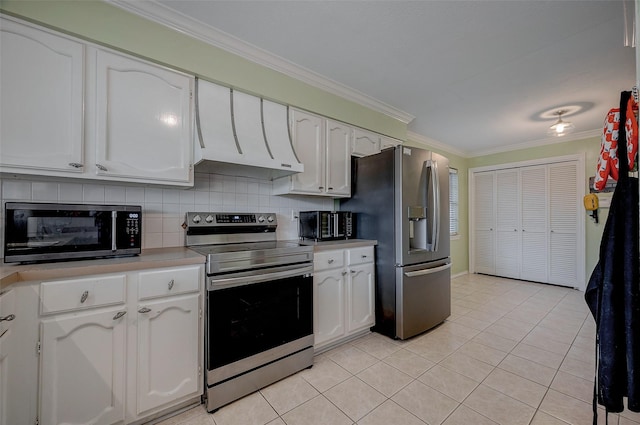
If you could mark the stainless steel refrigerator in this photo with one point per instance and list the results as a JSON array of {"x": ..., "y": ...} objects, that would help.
[{"x": 401, "y": 199}]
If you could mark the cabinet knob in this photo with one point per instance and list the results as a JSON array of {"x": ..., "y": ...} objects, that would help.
[
  {"x": 8, "y": 318},
  {"x": 364, "y": 256},
  {"x": 101, "y": 167},
  {"x": 75, "y": 165},
  {"x": 171, "y": 284},
  {"x": 144, "y": 310},
  {"x": 353, "y": 272},
  {"x": 330, "y": 188},
  {"x": 321, "y": 187},
  {"x": 84, "y": 297},
  {"x": 344, "y": 273},
  {"x": 119, "y": 315},
  {"x": 330, "y": 261}
]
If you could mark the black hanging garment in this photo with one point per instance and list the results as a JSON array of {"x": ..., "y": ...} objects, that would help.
[{"x": 613, "y": 294}]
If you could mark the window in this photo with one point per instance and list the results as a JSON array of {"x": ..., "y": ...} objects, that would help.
[{"x": 453, "y": 201}]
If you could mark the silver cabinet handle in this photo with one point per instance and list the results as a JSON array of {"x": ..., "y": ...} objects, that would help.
[
  {"x": 320, "y": 187},
  {"x": 330, "y": 188},
  {"x": 119, "y": 315},
  {"x": 84, "y": 297},
  {"x": 75, "y": 165},
  {"x": 171, "y": 284},
  {"x": 101, "y": 167},
  {"x": 344, "y": 273},
  {"x": 364, "y": 256},
  {"x": 8, "y": 318},
  {"x": 353, "y": 272},
  {"x": 144, "y": 310},
  {"x": 330, "y": 261}
]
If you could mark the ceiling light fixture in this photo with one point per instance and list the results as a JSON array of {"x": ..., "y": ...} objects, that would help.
[{"x": 560, "y": 128}]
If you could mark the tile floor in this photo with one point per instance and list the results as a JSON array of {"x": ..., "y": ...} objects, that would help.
[{"x": 511, "y": 353}]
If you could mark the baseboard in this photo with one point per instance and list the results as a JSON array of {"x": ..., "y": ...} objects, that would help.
[{"x": 453, "y": 276}]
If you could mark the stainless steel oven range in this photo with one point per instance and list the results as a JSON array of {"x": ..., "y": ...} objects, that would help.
[{"x": 259, "y": 303}]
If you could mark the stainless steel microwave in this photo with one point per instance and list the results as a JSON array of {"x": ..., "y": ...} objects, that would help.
[
  {"x": 39, "y": 232},
  {"x": 326, "y": 225}
]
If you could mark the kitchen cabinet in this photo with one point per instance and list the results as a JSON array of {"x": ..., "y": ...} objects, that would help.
[
  {"x": 7, "y": 317},
  {"x": 169, "y": 340},
  {"x": 100, "y": 115},
  {"x": 344, "y": 282},
  {"x": 368, "y": 143},
  {"x": 120, "y": 348},
  {"x": 82, "y": 358},
  {"x": 41, "y": 81},
  {"x": 142, "y": 121},
  {"x": 323, "y": 146},
  {"x": 365, "y": 143},
  {"x": 526, "y": 223}
]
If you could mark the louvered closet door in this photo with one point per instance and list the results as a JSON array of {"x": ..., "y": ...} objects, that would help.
[
  {"x": 534, "y": 247},
  {"x": 507, "y": 223},
  {"x": 484, "y": 222},
  {"x": 563, "y": 224}
]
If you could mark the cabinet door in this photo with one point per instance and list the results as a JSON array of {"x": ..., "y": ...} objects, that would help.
[
  {"x": 143, "y": 120},
  {"x": 564, "y": 210},
  {"x": 308, "y": 141},
  {"x": 82, "y": 366},
  {"x": 534, "y": 206},
  {"x": 484, "y": 222},
  {"x": 364, "y": 143},
  {"x": 328, "y": 298},
  {"x": 507, "y": 224},
  {"x": 168, "y": 351},
  {"x": 41, "y": 99},
  {"x": 338, "y": 159},
  {"x": 7, "y": 315},
  {"x": 360, "y": 298}
]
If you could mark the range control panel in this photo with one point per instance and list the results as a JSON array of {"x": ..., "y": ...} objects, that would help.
[{"x": 215, "y": 219}]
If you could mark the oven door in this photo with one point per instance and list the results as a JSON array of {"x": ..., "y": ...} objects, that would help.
[{"x": 257, "y": 318}]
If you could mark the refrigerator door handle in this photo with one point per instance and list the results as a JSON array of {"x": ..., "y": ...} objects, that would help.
[
  {"x": 435, "y": 221},
  {"x": 428, "y": 271}
]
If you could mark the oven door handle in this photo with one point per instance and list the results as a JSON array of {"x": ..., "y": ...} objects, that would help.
[{"x": 229, "y": 282}]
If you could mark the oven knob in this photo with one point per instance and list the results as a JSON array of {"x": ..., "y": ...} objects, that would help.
[
  {"x": 209, "y": 219},
  {"x": 261, "y": 219},
  {"x": 197, "y": 219},
  {"x": 270, "y": 219}
]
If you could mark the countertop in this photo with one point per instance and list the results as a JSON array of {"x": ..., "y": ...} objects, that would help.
[
  {"x": 339, "y": 244},
  {"x": 148, "y": 259}
]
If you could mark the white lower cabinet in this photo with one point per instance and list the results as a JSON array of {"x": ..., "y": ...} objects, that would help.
[
  {"x": 120, "y": 348},
  {"x": 168, "y": 351},
  {"x": 343, "y": 296},
  {"x": 7, "y": 317},
  {"x": 83, "y": 368}
]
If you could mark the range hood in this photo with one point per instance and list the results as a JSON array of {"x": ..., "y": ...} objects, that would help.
[{"x": 242, "y": 135}]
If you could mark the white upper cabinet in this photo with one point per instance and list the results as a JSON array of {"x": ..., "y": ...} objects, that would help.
[
  {"x": 41, "y": 100},
  {"x": 364, "y": 143},
  {"x": 143, "y": 120},
  {"x": 323, "y": 146},
  {"x": 70, "y": 109}
]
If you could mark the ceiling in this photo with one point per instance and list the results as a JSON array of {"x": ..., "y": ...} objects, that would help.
[{"x": 478, "y": 76}]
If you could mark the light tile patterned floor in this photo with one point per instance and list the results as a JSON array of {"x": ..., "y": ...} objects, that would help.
[{"x": 511, "y": 353}]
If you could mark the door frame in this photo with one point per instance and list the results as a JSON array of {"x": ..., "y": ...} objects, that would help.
[{"x": 582, "y": 190}]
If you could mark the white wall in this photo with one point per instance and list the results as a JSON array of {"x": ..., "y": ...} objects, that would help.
[{"x": 164, "y": 209}]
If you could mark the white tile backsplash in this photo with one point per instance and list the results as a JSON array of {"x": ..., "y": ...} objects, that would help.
[{"x": 164, "y": 209}]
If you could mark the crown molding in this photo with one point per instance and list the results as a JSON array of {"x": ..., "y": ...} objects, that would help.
[
  {"x": 419, "y": 138},
  {"x": 540, "y": 142},
  {"x": 159, "y": 13}
]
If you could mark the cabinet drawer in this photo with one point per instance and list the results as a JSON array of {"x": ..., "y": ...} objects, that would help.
[
  {"x": 160, "y": 283},
  {"x": 360, "y": 255},
  {"x": 328, "y": 260},
  {"x": 76, "y": 294},
  {"x": 7, "y": 309}
]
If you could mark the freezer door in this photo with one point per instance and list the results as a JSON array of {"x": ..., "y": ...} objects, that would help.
[
  {"x": 423, "y": 297},
  {"x": 422, "y": 206}
]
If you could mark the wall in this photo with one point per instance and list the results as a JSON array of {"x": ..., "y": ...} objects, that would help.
[
  {"x": 163, "y": 210},
  {"x": 591, "y": 149}
]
